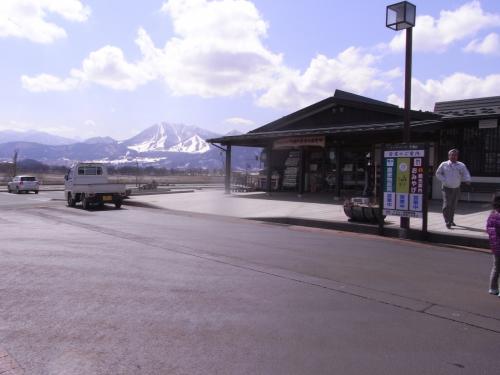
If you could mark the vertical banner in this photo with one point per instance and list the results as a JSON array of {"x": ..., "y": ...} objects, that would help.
[
  {"x": 390, "y": 183},
  {"x": 402, "y": 183},
  {"x": 403, "y": 180}
]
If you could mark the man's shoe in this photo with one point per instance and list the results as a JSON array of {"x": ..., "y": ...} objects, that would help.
[
  {"x": 448, "y": 225},
  {"x": 453, "y": 224},
  {"x": 493, "y": 291}
]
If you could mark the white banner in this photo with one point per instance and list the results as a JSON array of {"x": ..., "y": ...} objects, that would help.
[{"x": 310, "y": 140}]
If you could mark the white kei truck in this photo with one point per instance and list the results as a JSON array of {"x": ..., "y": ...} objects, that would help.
[{"x": 88, "y": 183}]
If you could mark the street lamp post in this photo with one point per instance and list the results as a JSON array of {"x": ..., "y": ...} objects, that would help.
[{"x": 401, "y": 16}]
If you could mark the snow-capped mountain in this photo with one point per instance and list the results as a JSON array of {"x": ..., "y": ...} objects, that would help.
[
  {"x": 166, "y": 137},
  {"x": 163, "y": 145},
  {"x": 193, "y": 145}
]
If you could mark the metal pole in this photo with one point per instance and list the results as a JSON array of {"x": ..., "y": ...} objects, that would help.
[
  {"x": 228, "y": 170},
  {"x": 406, "y": 130},
  {"x": 405, "y": 221},
  {"x": 425, "y": 195}
]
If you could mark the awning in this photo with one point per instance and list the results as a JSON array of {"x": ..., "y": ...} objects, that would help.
[{"x": 265, "y": 138}]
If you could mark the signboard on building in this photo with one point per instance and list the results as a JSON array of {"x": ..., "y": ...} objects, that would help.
[
  {"x": 488, "y": 123},
  {"x": 404, "y": 180},
  {"x": 308, "y": 140}
]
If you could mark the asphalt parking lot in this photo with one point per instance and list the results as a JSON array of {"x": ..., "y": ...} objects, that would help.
[{"x": 152, "y": 291}]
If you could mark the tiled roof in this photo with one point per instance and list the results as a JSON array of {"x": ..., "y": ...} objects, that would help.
[
  {"x": 344, "y": 95},
  {"x": 480, "y": 107},
  {"x": 343, "y": 98}
]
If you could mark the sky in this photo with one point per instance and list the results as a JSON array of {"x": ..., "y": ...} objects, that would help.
[{"x": 86, "y": 68}]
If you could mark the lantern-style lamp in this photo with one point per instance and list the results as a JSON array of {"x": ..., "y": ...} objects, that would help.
[{"x": 400, "y": 16}]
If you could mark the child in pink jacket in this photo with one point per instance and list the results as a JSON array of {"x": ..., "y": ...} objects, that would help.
[{"x": 493, "y": 229}]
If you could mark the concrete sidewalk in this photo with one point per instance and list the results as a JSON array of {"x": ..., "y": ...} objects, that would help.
[{"x": 319, "y": 210}]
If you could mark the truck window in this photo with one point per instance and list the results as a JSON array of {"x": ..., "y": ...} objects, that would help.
[
  {"x": 89, "y": 171},
  {"x": 28, "y": 179}
]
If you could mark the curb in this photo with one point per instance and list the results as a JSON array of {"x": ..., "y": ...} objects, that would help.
[{"x": 480, "y": 244}]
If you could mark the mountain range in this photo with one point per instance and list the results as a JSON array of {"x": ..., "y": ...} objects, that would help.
[{"x": 176, "y": 146}]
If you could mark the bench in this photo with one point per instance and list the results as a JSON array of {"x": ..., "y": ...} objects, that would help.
[{"x": 480, "y": 188}]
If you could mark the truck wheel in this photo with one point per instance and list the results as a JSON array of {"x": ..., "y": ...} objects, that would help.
[
  {"x": 9, "y": 190},
  {"x": 85, "y": 202},
  {"x": 17, "y": 190},
  {"x": 118, "y": 204},
  {"x": 36, "y": 191},
  {"x": 71, "y": 202}
]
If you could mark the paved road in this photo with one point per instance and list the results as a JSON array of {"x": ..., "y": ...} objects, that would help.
[{"x": 149, "y": 291}]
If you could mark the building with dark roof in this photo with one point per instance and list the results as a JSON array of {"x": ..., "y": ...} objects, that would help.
[{"x": 334, "y": 145}]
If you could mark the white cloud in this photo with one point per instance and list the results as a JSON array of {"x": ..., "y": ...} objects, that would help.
[
  {"x": 454, "y": 87},
  {"x": 351, "y": 70},
  {"x": 218, "y": 50},
  {"x": 490, "y": 45},
  {"x": 106, "y": 67},
  {"x": 47, "y": 82},
  {"x": 435, "y": 35},
  {"x": 89, "y": 123},
  {"x": 24, "y": 127},
  {"x": 17, "y": 126},
  {"x": 62, "y": 130},
  {"x": 28, "y": 18},
  {"x": 238, "y": 121}
]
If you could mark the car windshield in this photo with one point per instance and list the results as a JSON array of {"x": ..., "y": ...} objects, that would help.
[{"x": 28, "y": 179}]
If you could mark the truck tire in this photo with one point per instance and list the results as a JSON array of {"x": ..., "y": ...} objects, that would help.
[
  {"x": 17, "y": 190},
  {"x": 70, "y": 202},
  {"x": 118, "y": 204},
  {"x": 8, "y": 188},
  {"x": 85, "y": 202}
]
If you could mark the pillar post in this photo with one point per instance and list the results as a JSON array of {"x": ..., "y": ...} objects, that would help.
[
  {"x": 269, "y": 152},
  {"x": 228, "y": 170}
]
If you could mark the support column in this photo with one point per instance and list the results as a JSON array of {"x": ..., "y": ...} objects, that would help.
[
  {"x": 302, "y": 171},
  {"x": 227, "y": 180},
  {"x": 269, "y": 181},
  {"x": 338, "y": 172}
]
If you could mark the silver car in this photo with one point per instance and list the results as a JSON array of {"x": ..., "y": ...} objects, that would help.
[{"x": 23, "y": 184}]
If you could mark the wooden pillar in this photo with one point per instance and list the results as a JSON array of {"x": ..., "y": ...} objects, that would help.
[
  {"x": 269, "y": 181},
  {"x": 301, "y": 171},
  {"x": 338, "y": 172},
  {"x": 228, "y": 170}
]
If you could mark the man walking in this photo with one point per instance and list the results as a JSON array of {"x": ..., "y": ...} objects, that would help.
[{"x": 451, "y": 173}]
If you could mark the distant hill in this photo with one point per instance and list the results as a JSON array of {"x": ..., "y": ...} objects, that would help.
[
  {"x": 34, "y": 136},
  {"x": 100, "y": 140},
  {"x": 166, "y": 145}
]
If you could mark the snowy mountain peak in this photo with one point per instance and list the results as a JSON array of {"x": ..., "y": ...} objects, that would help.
[
  {"x": 193, "y": 145},
  {"x": 166, "y": 137},
  {"x": 155, "y": 139}
]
